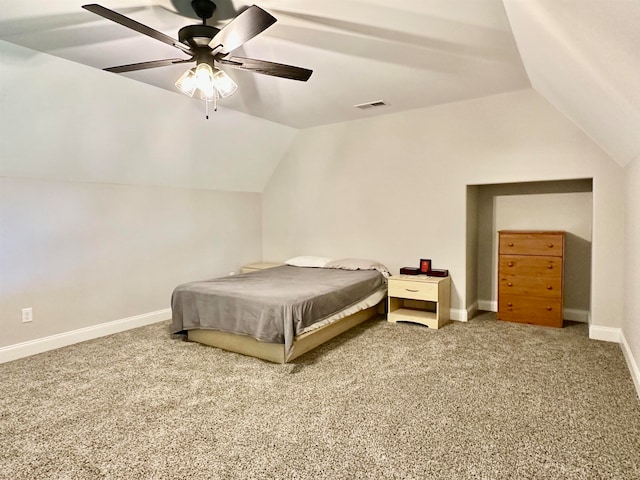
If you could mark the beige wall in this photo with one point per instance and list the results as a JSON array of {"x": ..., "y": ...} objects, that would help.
[
  {"x": 395, "y": 187},
  {"x": 82, "y": 254},
  {"x": 473, "y": 240},
  {"x": 631, "y": 324}
]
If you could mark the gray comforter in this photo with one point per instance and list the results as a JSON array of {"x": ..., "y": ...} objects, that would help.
[{"x": 271, "y": 305}]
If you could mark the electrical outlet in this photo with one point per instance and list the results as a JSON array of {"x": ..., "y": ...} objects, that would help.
[{"x": 27, "y": 315}]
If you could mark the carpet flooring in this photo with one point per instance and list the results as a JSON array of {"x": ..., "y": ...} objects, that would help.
[{"x": 483, "y": 399}]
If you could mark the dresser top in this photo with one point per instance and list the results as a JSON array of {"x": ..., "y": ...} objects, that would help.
[{"x": 546, "y": 232}]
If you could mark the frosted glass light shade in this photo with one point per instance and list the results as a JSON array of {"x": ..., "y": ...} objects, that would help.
[
  {"x": 223, "y": 83},
  {"x": 187, "y": 82},
  {"x": 204, "y": 76}
]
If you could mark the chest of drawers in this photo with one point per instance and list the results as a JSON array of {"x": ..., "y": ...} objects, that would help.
[{"x": 530, "y": 276}]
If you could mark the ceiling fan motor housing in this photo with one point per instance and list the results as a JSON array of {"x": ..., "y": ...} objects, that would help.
[
  {"x": 197, "y": 35},
  {"x": 203, "y": 8}
]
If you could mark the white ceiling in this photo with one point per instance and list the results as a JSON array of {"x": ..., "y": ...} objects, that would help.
[
  {"x": 409, "y": 53},
  {"x": 581, "y": 55}
]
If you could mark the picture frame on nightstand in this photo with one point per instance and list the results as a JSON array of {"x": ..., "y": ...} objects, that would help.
[{"x": 425, "y": 266}]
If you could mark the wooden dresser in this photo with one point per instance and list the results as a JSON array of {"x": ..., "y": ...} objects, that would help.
[{"x": 530, "y": 276}]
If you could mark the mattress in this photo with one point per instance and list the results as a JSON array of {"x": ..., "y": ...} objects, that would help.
[{"x": 272, "y": 305}]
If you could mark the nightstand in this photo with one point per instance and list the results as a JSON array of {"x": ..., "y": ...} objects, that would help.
[
  {"x": 419, "y": 299},
  {"x": 253, "y": 267}
]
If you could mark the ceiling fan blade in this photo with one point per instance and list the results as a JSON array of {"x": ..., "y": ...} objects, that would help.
[
  {"x": 244, "y": 27},
  {"x": 144, "y": 65},
  {"x": 137, "y": 26},
  {"x": 268, "y": 68}
]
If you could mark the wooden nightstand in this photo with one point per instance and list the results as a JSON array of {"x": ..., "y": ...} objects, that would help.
[
  {"x": 253, "y": 267},
  {"x": 419, "y": 299}
]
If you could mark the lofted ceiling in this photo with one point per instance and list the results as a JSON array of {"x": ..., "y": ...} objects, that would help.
[
  {"x": 408, "y": 53},
  {"x": 581, "y": 55}
]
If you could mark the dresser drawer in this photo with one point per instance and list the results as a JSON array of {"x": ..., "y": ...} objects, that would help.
[
  {"x": 550, "y": 244},
  {"x": 413, "y": 290},
  {"x": 537, "y": 286},
  {"x": 529, "y": 309},
  {"x": 528, "y": 265}
]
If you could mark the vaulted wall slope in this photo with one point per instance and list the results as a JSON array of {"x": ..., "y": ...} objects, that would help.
[
  {"x": 66, "y": 121},
  {"x": 582, "y": 56}
]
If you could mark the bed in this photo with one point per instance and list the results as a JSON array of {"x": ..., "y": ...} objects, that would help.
[{"x": 277, "y": 314}]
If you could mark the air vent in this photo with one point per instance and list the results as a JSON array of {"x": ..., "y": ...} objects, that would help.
[{"x": 376, "y": 104}]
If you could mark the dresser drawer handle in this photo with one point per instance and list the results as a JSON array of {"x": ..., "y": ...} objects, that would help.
[
  {"x": 509, "y": 284},
  {"x": 549, "y": 266},
  {"x": 549, "y": 287},
  {"x": 411, "y": 290},
  {"x": 549, "y": 308},
  {"x": 510, "y": 264},
  {"x": 511, "y": 244},
  {"x": 550, "y": 245},
  {"x": 510, "y": 304}
]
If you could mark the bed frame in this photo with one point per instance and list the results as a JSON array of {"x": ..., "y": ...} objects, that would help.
[{"x": 275, "y": 352}]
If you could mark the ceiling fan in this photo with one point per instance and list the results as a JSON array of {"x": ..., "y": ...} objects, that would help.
[{"x": 205, "y": 45}]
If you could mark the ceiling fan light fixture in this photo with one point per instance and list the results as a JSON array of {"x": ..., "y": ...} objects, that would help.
[
  {"x": 223, "y": 83},
  {"x": 187, "y": 82},
  {"x": 212, "y": 82},
  {"x": 204, "y": 76}
]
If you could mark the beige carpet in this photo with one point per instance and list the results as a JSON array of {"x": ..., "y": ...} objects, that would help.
[{"x": 484, "y": 399}]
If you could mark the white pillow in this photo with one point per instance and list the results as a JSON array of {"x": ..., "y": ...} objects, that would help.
[
  {"x": 358, "y": 264},
  {"x": 308, "y": 261}
]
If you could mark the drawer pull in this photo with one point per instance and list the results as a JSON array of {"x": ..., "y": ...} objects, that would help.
[
  {"x": 549, "y": 287},
  {"x": 510, "y": 264},
  {"x": 549, "y": 266},
  {"x": 511, "y": 244},
  {"x": 510, "y": 304},
  {"x": 510, "y": 284},
  {"x": 550, "y": 245},
  {"x": 549, "y": 308},
  {"x": 411, "y": 290}
]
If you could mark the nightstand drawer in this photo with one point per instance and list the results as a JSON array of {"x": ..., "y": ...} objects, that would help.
[{"x": 413, "y": 290}]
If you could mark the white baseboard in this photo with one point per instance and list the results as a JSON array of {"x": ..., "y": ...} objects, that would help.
[
  {"x": 606, "y": 334},
  {"x": 633, "y": 365},
  {"x": 458, "y": 314},
  {"x": 40, "y": 345},
  {"x": 568, "y": 313},
  {"x": 576, "y": 315},
  {"x": 488, "y": 305}
]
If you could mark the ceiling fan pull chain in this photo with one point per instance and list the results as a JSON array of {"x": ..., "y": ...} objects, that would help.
[{"x": 206, "y": 109}]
